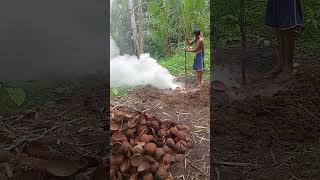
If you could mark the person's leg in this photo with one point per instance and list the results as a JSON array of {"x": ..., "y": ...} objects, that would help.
[
  {"x": 289, "y": 44},
  {"x": 291, "y": 47},
  {"x": 280, "y": 58},
  {"x": 201, "y": 77},
  {"x": 196, "y": 76}
]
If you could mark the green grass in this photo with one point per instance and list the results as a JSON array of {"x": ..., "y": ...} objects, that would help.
[{"x": 116, "y": 92}]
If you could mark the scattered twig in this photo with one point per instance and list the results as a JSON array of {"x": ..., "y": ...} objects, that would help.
[
  {"x": 62, "y": 113},
  {"x": 231, "y": 163},
  {"x": 8, "y": 170},
  {"x": 197, "y": 168},
  {"x": 294, "y": 177},
  {"x": 308, "y": 112},
  {"x": 88, "y": 144}
]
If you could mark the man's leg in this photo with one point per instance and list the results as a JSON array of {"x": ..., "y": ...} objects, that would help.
[{"x": 201, "y": 77}]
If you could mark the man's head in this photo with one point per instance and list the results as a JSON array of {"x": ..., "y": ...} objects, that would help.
[{"x": 196, "y": 33}]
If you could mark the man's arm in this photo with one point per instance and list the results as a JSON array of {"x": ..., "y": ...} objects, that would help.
[
  {"x": 197, "y": 48},
  {"x": 188, "y": 41}
]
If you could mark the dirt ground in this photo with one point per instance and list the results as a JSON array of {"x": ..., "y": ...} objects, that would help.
[
  {"x": 190, "y": 108},
  {"x": 267, "y": 129},
  {"x": 72, "y": 129}
]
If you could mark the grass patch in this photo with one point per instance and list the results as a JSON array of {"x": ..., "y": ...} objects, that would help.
[{"x": 116, "y": 92}]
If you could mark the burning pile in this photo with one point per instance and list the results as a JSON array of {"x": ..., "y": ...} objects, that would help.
[{"x": 143, "y": 146}]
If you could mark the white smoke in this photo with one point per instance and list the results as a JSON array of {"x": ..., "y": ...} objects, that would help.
[{"x": 129, "y": 71}]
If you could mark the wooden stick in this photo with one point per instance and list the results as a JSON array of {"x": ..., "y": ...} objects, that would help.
[
  {"x": 185, "y": 68},
  {"x": 243, "y": 41}
]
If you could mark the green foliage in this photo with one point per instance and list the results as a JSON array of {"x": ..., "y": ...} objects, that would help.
[
  {"x": 116, "y": 92},
  {"x": 168, "y": 21},
  {"x": 226, "y": 25},
  {"x": 165, "y": 24},
  {"x": 10, "y": 98}
]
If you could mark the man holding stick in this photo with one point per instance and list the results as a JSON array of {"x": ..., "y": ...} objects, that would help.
[{"x": 198, "y": 64}]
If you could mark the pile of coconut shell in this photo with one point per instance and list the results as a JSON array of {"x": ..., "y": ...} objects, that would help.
[{"x": 143, "y": 147}]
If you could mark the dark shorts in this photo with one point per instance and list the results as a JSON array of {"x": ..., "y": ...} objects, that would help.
[
  {"x": 284, "y": 14},
  {"x": 198, "y": 64}
]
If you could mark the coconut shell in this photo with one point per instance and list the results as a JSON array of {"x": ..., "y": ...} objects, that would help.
[
  {"x": 167, "y": 159},
  {"x": 159, "y": 153},
  {"x": 133, "y": 177},
  {"x": 132, "y": 142},
  {"x": 179, "y": 126},
  {"x": 170, "y": 142},
  {"x": 146, "y": 138},
  {"x": 168, "y": 134},
  {"x": 141, "y": 144},
  {"x": 167, "y": 149},
  {"x": 126, "y": 146},
  {"x": 178, "y": 158},
  {"x": 148, "y": 115},
  {"x": 166, "y": 125},
  {"x": 163, "y": 171},
  {"x": 180, "y": 148},
  {"x": 116, "y": 159},
  {"x": 150, "y": 148},
  {"x": 125, "y": 165},
  {"x": 137, "y": 149},
  {"x": 114, "y": 126},
  {"x": 130, "y": 132},
  {"x": 189, "y": 145},
  {"x": 112, "y": 173},
  {"x": 147, "y": 176},
  {"x": 132, "y": 122},
  {"x": 121, "y": 111},
  {"x": 173, "y": 130},
  {"x": 149, "y": 158},
  {"x": 133, "y": 170},
  {"x": 117, "y": 148},
  {"x": 142, "y": 129},
  {"x": 182, "y": 135},
  {"x": 154, "y": 167},
  {"x": 162, "y": 133},
  {"x": 118, "y": 136},
  {"x": 136, "y": 160},
  {"x": 144, "y": 166},
  {"x": 160, "y": 141},
  {"x": 142, "y": 119},
  {"x": 155, "y": 125}
]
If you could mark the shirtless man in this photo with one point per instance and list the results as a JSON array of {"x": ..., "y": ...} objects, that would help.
[
  {"x": 198, "y": 64},
  {"x": 284, "y": 16}
]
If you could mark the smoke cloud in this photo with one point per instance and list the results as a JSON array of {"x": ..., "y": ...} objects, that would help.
[
  {"x": 129, "y": 71},
  {"x": 52, "y": 38}
]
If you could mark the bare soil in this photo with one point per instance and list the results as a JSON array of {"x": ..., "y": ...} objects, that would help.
[
  {"x": 73, "y": 129},
  {"x": 267, "y": 129},
  {"x": 189, "y": 107}
]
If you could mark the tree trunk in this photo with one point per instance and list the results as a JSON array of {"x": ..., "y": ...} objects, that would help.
[
  {"x": 140, "y": 27},
  {"x": 134, "y": 27},
  {"x": 243, "y": 40}
]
